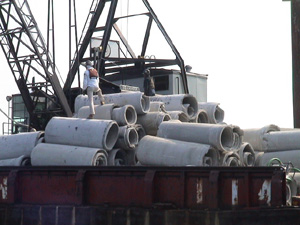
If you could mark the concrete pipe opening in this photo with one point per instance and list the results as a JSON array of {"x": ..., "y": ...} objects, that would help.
[
  {"x": 100, "y": 159},
  {"x": 211, "y": 158},
  {"x": 111, "y": 136},
  {"x": 202, "y": 117},
  {"x": 130, "y": 115},
  {"x": 133, "y": 137},
  {"x": 145, "y": 103},
  {"x": 140, "y": 130},
  {"x": 219, "y": 115},
  {"x": 249, "y": 159},
  {"x": 191, "y": 105},
  {"x": 227, "y": 138},
  {"x": 232, "y": 161}
]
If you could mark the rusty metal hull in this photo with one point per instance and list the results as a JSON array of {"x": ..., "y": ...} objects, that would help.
[
  {"x": 144, "y": 195},
  {"x": 94, "y": 215}
]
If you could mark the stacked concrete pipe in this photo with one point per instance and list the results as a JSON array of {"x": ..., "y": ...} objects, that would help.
[
  {"x": 101, "y": 134},
  {"x": 219, "y": 136},
  {"x": 117, "y": 157},
  {"x": 230, "y": 158},
  {"x": 14, "y": 146},
  {"x": 201, "y": 117},
  {"x": 214, "y": 112},
  {"x": 286, "y": 156},
  {"x": 181, "y": 102},
  {"x": 246, "y": 154},
  {"x": 256, "y": 136},
  {"x": 20, "y": 161},
  {"x": 138, "y": 100},
  {"x": 152, "y": 120},
  {"x": 128, "y": 138},
  {"x": 66, "y": 155},
  {"x": 125, "y": 115},
  {"x": 159, "y": 151}
]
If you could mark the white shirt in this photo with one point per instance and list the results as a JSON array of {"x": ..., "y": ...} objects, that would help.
[{"x": 87, "y": 82}]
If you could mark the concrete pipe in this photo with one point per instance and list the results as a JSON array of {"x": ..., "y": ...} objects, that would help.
[
  {"x": 117, "y": 157},
  {"x": 157, "y": 107},
  {"x": 179, "y": 115},
  {"x": 16, "y": 145},
  {"x": 158, "y": 151},
  {"x": 152, "y": 120},
  {"x": 219, "y": 136},
  {"x": 125, "y": 115},
  {"x": 66, "y": 155},
  {"x": 93, "y": 133},
  {"x": 128, "y": 138},
  {"x": 237, "y": 137},
  {"x": 20, "y": 161},
  {"x": 102, "y": 112},
  {"x": 138, "y": 100},
  {"x": 140, "y": 130},
  {"x": 214, "y": 112},
  {"x": 131, "y": 157},
  {"x": 201, "y": 117},
  {"x": 230, "y": 158},
  {"x": 286, "y": 156},
  {"x": 282, "y": 140},
  {"x": 258, "y": 157},
  {"x": 256, "y": 136},
  {"x": 182, "y": 102},
  {"x": 246, "y": 154}
]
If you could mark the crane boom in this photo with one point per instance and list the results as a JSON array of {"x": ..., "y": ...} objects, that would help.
[{"x": 30, "y": 62}]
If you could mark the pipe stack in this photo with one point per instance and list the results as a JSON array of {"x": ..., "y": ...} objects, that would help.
[{"x": 15, "y": 150}]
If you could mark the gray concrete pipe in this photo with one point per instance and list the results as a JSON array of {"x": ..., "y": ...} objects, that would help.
[
  {"x": 256, "y": 136},
  {"x": 131, "y": 157},
  {"x": 219, "y": 136},
  {"x": 179, "y": 115},
  {"x": 237, "y": 137},
  {"x": 140, "y": 130},
  {"x": 230, "y": 158},
  {"x": 247, "y": 155},
  {"x": 138, "y": 100},
  {"x": 158, "y": 151},
  {"x": 20, "y": 161},
  {"x": 125, "y": 115},
  {"x": 182, "y": 102},
  {"x": 66, "y": 155},
  {"x": 214, "y": 112},
  {"x": 157, "y": 107},
  {"x": 128, "y": 138},
  {"x": 102, "y": 112},
  {"x": 285, "y": 157},
  {"x": 282, "y": 140},
  {"x": 16, "y": 145},
  {"x": 201, "y": 117},
  {"x": 93, "y": 133},
  {"x": 117, "y": 157},
  {"x": 152, "y": 120}
]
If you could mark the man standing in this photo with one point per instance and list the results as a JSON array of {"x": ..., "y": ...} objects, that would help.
[
  {"x": 149, "y": 88},
  {"x": 91, "y": 85}
]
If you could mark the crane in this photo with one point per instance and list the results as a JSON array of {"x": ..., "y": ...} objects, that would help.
[
  {"x": 29, "y": 59},
  {"x": 28, "y": 56}
]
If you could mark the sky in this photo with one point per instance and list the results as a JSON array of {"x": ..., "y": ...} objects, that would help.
[{"x": 244, "y": 46}]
